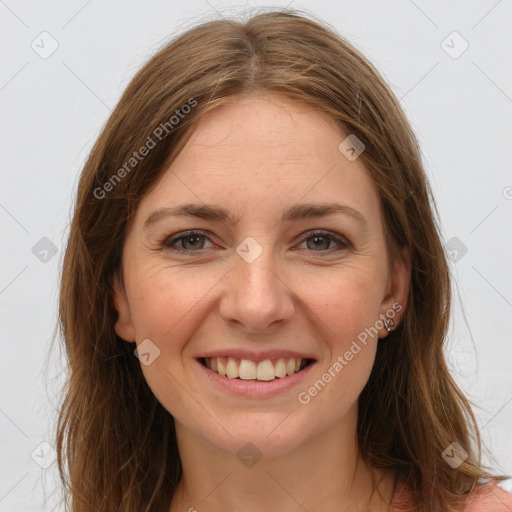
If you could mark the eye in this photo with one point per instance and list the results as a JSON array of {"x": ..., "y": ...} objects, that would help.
[
  {"x": 321, "y": 242},
  {"x": 194, "y": 241},
  {"x": 190, "y": 241}
]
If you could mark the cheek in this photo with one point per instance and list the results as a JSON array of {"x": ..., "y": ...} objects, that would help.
[
  {"x": 168, "y": 308},
  {"x": 166, "y": 305},
  {"x": 347, "y": 302},
  {"x": 347, "y": 309}
]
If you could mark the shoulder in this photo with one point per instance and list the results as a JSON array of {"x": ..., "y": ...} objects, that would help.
[{"x": 490, "y": 497}]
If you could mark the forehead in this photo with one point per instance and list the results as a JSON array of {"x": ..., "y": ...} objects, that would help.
[
  {"x": 261, "y": 151},
  {"x": 262, "y": 131}
]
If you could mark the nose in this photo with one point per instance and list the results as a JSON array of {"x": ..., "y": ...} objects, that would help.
[{"x": 256, "y": 298}]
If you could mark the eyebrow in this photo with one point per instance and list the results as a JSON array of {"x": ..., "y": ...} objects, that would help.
[{"x": 217, "y": 213}]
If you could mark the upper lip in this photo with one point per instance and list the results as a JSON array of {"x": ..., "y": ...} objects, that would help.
[{"x": 256, "y": 356}]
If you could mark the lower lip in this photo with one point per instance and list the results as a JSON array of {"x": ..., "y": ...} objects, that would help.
[{"x": 256, "y": 388}]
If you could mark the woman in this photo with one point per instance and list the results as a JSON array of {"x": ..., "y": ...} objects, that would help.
[{"x": 255, "y": 297}]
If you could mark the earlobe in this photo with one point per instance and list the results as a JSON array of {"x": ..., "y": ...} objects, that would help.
[{"x": 123, "y": 326}]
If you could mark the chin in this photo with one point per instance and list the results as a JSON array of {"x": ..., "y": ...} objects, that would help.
[{"x": 266, "y": 436}]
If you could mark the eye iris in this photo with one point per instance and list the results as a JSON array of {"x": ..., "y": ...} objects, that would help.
[
  {"x": 319, "y": 245},
  {"x": 194, "y": 244}
]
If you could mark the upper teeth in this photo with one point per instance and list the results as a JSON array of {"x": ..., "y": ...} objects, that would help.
[{"x": 246, "y": 369}]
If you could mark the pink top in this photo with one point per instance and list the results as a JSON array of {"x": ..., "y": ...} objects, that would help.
[{"x": 487, "y": 497}]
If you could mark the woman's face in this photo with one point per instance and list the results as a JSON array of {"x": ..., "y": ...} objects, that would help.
[{"x": 270, "y": 281}]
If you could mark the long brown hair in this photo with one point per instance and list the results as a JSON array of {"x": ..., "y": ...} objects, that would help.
[{"x": 116, "y": 443}]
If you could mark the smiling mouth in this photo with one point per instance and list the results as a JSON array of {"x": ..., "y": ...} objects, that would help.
[{"x": 245, "y": 369}]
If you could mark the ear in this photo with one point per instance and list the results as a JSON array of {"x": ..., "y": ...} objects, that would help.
[
  {"x": 397, "y": 289},
  {"x": 124, "y": 326}
]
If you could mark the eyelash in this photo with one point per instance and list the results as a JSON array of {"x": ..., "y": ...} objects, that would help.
[{"x": 168, "y": 242}]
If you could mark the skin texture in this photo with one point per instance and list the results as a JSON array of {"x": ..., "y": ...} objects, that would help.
[{"x": 257, "y": 156}]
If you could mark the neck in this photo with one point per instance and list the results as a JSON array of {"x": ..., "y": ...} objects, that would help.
[{"x": 326, "y": 473}]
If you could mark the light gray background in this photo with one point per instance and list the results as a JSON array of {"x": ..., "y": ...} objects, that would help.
[{"x": 52, "y": 110}]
